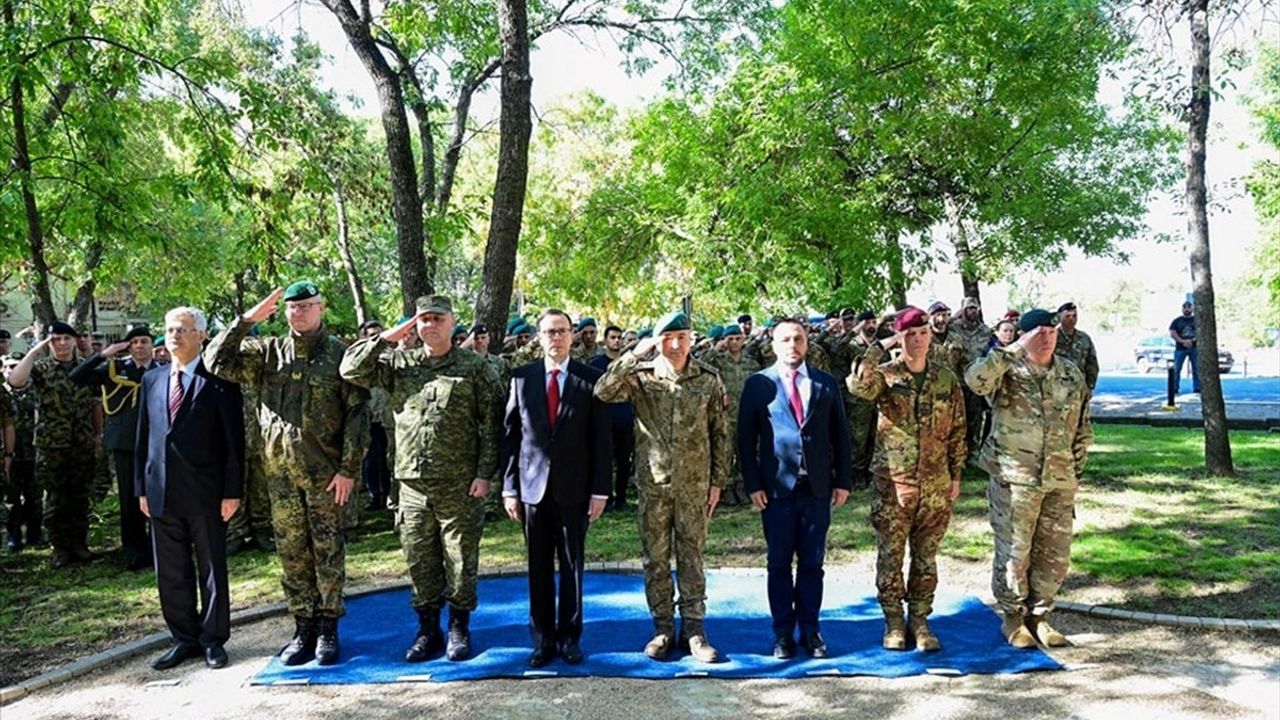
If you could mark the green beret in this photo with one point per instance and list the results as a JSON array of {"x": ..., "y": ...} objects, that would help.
[
  {"x": 1035, "y": 318},
  {"x": 301, "y": 290},
  {"x": 586, "y": 322},
  {"x": 523, "y": 328},
  {"x": 157, "y": 341},
  {"x": 434, "y": 304},
  {"x": 671, "y": 322},
  {"x": 515, "y": 322},
  {"x": 730, "y": 330},
  {"x": 716, "y": 332},
  {"x": 647, "y": 332}
]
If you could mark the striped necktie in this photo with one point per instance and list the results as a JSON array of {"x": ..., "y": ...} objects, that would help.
[{"x": 175, "y": 396}]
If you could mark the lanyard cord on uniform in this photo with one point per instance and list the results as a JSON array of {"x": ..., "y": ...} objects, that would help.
[{"x": 129, "y": 387}]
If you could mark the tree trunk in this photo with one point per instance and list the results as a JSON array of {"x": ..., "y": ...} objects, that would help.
[
  {"x": 964, "y": 254},
  {"x": 82, "y": 306},
  {"x": 344, "y": 251},
  {"x": 406, "y": 207},
  {"x": 1217, "y": 443},
  {"x": 515, "y": 127},
  {"x": 897, "y": 272},
  {"x": 42, "y": 305}
]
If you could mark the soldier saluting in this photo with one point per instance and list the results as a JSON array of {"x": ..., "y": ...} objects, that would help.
[{"x": 314, "y": 437}]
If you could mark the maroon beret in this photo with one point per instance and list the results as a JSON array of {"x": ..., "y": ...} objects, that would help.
[{"x": 911, "y": 317}]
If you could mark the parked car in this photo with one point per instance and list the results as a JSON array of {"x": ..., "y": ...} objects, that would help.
[{"x": 1155, "y": 353}]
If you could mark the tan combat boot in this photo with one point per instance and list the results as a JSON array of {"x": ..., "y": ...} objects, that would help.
[
  {"x": 701, "y": 650},
  {"x": 925, "y": 639},
  {"x": 1039, "y": 626},
  {"x": 895, "y": 633},
  {"x": 659, "y": 647},
  {"x": 1015, "y": 631}
]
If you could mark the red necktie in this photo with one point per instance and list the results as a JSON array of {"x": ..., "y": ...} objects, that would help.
[
  {"x": 553, "y": 398},
  {"x": 175, "y": 396},
  {"x": 797, "y": 407}
]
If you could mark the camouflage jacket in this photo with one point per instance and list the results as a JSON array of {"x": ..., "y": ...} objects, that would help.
[
  {"x": 839, "y": 352},
  {"x": 682, "y": 426},
  {"x": 312, "y": 422},
  {"x": 24, "y": 423},
  {"x": 949, "y": 351},
  {"x": 815, "y": 357},
  {"x": 733, "y": 373},
  {"x": 63, "y": 409},
  {"x": 447, "y": 410},
  {"x": 973, "y": 339},
  {"x": 920, "y": 436},
  {"x": 1040, "y": 427},
  {"x": 582, "y": 355},
  {"x": 1079, "y": 349}
]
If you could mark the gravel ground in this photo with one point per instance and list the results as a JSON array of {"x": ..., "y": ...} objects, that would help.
[{"x": 1116, "y": 669}]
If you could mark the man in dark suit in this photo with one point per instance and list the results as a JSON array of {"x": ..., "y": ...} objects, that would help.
[
  {"x": 189, "y": 476},
  {"x": 793, "y": 447},
  {"x": 556, "y": 461},
  {"x": 120, "y": 382}
]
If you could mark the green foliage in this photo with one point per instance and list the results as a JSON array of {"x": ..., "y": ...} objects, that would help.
[{"x": 1264, "y": 185}]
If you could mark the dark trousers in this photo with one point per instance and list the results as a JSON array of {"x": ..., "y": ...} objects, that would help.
[
  {"x": 173, "y": 539},
  {"x": 624, "y": 454},
  {"x": 133, "y": 524},
  {"x": 25, "y": 500},
  {"x": 552, "y": 531},
  {"x": 377, "y": 476},
  {"x": 795, "y": 527}
]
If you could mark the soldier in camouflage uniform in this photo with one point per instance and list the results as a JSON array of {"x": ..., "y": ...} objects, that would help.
[
  {"x": 945, "y": 348},
  {"x": 1076, "y": 345},
  {"x": 861, "y": 413},
  {"x": 64, "y": 430},
  {"x": 587, "y": 347},
  {"x": 8, "y": 439},
  {"x": 251, "y": 523},
  {"x": 973, "y": 337},
  {"x": 23, "y": 502},
  {"x": 734, "y": 367},
  {"x": 1035, "y": 455},
  {"x": 919, "y": 457},
  {"x": 314, "y": 435},
  {"x": 682, "y": 450},
  {"x": 447, "y": 404}
]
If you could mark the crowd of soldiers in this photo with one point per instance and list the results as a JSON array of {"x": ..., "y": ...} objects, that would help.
[{"x": 415, "y": 411}]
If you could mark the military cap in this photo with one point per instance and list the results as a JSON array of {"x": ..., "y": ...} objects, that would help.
[
  {"x": 157, "y": 341},
  {"x": 1012, "y": 315},
  {"x": 4, "y": 334},
  {"x": 910, "y": 317},
  {"x": 137, "y": 331},
  {"x": 1037, "y": 317},
  {"x": 647, "y": 332},
  {"x": 459, "y": 329},
  {"x": 939, "y": 307},
  {"x": 1068, "y": 305},
  {"x": 301, "y": 290},
  {"x": 523, "y": 328},
  {"x": 671, "y": 322},
  {"x": 732, "y": 330},
  {"x": 970, "y": 302},
  {"x": 866, "y": 315},
  {"x": 848, "y": 314},
  {"x": 479, "y": 329},
  {"x": 833, "y": 315},
  {"x": 586, "y": 322},
  {"x": 744, "y": 319},
  {"x": 57, "y": 327},
  {"x": 716, "y": 332},
  {"x": 434, "y": 304},
  {"x": 515, "y": 322}
]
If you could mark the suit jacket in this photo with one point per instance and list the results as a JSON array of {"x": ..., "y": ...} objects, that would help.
[
  {"x": 771, "y": 443},
  {"x": 121, "y": 425},
  {"x": 574, "y": 460},
  {"x": 187, "y": 469}
]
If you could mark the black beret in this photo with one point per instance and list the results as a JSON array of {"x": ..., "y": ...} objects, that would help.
[
  {"x": 4, "y": 334},
  {"x": 744, "y": 319},
  {"x": 479, "y": 329},
  {"x": 866, "y": 315},
  {"x": 137, "y": 331},
  {"x": 1066, "y": 306},
  {"x": 57, "y": 327}
]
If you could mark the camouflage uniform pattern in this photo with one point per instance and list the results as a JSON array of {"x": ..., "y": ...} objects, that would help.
[
  {"x": 447, "y": 417},
  {"x": 970, "y": 342},
  {"x": 734, "y": 374},
  {"x": 581, "y": 353},
  {"x": 1035, "y": 455},
  {"x": 861, "y": 413},
  {"x": 1078, "y": 347},
  {"x": 947, "y": 351},
  {"x": 24, "y": 500},
  {"x": 920, "y": 440},
  {"x": 815, "y": 357},
  {"x": 682, "y": 448},
  {"x": 313, "y": 427},
  {"x": 254, "y": 514},
  {"x": 64, "y": 438}
]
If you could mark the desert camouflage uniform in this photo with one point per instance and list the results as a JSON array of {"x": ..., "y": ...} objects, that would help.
[
  {"x": 682, "y": 448},
  {"x": 313, "y": 427},
  {"x": 1035, "y": 455},
  {"x": 1078, "y": 347},
  {"x": 920, "y": 441},
  {"x": 447, "y": 419}
]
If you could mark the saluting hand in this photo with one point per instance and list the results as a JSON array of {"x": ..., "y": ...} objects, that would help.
[
  {"x": 1024, "y": 340},
  {"x": 113, "y": 348},
  {"x": 264, "y": 309},
  {"x": 645, "y": 346},
  {"x": 401, "y": 331}
]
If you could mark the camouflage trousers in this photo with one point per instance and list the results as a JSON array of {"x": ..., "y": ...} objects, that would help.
[
  {"x": 920, "y": 525},
  {"x": 24, "y": 500},
  {"x": 674, "y": 516},
  {"x": 66, "y": 476},
  {"x": 440, "y": 529},
  {"x": 1032, "y": 528},
  {"x": 862, "y": 435},
  {"x": 254, "y": 513},
  {"x": 309, "y": 542}
]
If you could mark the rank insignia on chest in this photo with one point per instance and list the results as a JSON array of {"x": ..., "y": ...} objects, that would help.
[{"x": 297, "y": 375}]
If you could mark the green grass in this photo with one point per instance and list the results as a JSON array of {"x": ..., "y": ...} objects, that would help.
[{"x": 1151, "y": 524}]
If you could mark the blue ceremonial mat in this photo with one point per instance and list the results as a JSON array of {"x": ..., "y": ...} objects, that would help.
[{"x": 379, "y": 627}]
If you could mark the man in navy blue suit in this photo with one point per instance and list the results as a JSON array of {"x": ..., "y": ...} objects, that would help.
[
  {"x": 793, "y": 447},
  {"x": 556, "y": 463}
]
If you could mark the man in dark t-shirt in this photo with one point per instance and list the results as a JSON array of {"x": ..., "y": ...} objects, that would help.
[{"x": 1183, "y": 332}]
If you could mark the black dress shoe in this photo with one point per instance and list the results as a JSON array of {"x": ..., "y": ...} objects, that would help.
[
  {"x": 784, "y": 648},
  {"x": 571, "y": 653},
  {"x": 215, "y": 657},
  {"x": 175, "y": 655},
  {"x": 541, "y": 656},
  {"x": 813, "y": 642}
]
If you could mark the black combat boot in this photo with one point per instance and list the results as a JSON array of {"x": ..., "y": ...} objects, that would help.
[
  {"x": 459, "y": 647},
  {"x": 429, "y": 641},
  {"x": 302, "y": 649},
  {"x": 327, "y": 643}
]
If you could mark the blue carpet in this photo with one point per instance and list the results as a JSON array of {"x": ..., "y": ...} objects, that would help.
[{"x": 379, "y": 627}]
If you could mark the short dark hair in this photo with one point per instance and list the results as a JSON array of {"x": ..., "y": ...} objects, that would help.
[
  {"x": 790, "y": 321},
  {"x": 550, "y": 312},
  {"x": 370, "y": 323},
  {"x": 612, "y": 328}
]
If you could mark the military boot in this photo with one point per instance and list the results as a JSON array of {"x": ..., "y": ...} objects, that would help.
[
  {"x": 659, "y": 646},
  {"x": 1014, "y": 630},
  {"x": 327, "y": 642},
  {"x": 895, "y": 633},
  {"x": 1039, "y": 626},
  {"x": 459, "y": 646},
  {"x": 429, "y": 641},
  {"x": 265, "y": 541},
  {"x": 919, "y": 629},
  {"x": 80, "y": 552},
  {"x": 302, "y": 649},
  {"x": 693, "y": 639}
]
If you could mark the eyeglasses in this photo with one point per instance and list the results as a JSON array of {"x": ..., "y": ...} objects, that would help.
[
  {"x": 302, "y": 306},
  {"x": 555, "y": 332},
  {"x": 178, "y": 330}
]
